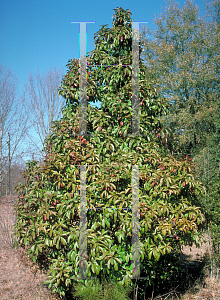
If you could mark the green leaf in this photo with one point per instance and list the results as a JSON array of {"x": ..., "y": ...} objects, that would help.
[
  {"x": 39, "y": 248},
  {"x": 118, "y": 260},
  {"x": 115, "y": 265},
  {"x": 164, "y": 231},
  {"x": 93, "y": 268},
  {"x": 127, "y": 258},
  {"x": 63, "y": 241}
]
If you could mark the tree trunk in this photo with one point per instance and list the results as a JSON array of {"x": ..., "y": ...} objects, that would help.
[
  {"x": 1, "y": 161},
  {"x": 9, "y": 166}
]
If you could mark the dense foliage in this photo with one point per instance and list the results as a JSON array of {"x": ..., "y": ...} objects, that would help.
[
  {"x": 183, "y": 61},
  {"x": 208, "y": 172},
  {"x": 48, "y": 208}
]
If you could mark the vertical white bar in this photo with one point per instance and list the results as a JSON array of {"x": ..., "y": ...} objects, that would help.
[
  {"x": 82, "y": 83},
  {"x": 82, "y": 225},
  {"x": 82, "y": 131},
  {"x": 135, "y": 171},
  {"x": 135, "y": 223},
  {"x": 135, "y": 80}
]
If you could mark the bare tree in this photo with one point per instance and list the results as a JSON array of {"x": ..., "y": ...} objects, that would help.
[
  {"x": 16, "y": 169},
  {"x": 45, "y": 106},
  {"x": 13, "y": 119}
]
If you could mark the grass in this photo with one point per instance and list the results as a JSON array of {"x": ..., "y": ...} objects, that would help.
[{"x": 199, "y": 278}]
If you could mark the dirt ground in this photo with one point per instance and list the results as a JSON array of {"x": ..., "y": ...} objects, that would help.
[
  {"x": 194, "y": 253},
  {"x": 19, "y": 277}
]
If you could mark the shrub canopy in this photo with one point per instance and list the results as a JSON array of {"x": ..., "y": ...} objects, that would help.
[{"x": 48, "y": 210}]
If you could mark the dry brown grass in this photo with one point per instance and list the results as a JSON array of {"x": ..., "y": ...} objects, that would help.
[
  {"x": 209, "y": 287},
  {"x": 21, "y": 279},
  {"x": 201, "y": 281}
]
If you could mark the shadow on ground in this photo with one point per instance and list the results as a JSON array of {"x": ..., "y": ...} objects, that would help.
[{"x": 192, "y": 273}]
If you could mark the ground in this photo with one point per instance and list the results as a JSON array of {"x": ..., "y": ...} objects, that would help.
[{"x": 21, "y": 279}]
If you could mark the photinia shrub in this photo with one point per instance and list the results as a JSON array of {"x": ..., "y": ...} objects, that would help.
[{"x": 49, "y": 202}]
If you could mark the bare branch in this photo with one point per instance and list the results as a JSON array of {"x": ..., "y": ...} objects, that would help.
[
  {"x": 13, "y": 119},
  {"x": 44, "y": 103}
]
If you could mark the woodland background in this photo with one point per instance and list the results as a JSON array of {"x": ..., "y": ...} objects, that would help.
[{"x": 183, "y": 63}]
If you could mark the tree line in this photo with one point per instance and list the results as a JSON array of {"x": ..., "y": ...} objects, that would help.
[
  {"x": 183, "y": 62},
  {"x": 25, "y": 121},
  {"x": 182, "y": 59}
]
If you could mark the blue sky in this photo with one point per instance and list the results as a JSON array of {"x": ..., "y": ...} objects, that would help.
[{"x": 37, "y": 35}]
